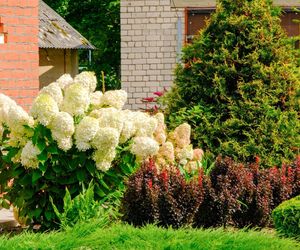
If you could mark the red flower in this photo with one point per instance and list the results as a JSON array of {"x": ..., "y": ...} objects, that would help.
[
  {"x": 148, "y": 99},
  {"x": 150, "y": 184},
  {"x": 159, "y": 93}
]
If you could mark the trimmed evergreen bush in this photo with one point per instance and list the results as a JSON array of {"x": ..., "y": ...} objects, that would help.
[
  {"x": 238, "y": 85},
  {"x": 287, "y": 217}
]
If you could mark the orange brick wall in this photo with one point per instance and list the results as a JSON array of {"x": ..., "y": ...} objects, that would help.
[{"x": 19, "y": 58}]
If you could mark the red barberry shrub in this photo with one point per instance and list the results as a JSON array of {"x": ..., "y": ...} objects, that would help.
[
  {"x": 229, "y": 180},
  {"x": 165, "y": 198},
  {"x": 139, "y": 204},
  {"x": 256, "y": 201},
  {"x": 296, "y": 179},
  {"x": 179, "y": 200}
]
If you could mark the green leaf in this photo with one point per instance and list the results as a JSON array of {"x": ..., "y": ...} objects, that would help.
[
  {"x": 41, "y": 145},
  {"x": 11, "y": 153},
  {"x": 35, "y": 213},
  {"x": 91, "y": 167},
  {"x": 52, "y": 149},
  {"x": 36, "y": 176},
  {"x": 80, "y": 174},
  {"x": 49, "y": 215},
  {"x": 43, "y": 156},
  {"x": 42, "y": 167}
]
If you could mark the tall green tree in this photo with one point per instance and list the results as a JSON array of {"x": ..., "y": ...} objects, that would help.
[
  {"x": 99, "y": 22},
  {"x": 239, "y": 85}
]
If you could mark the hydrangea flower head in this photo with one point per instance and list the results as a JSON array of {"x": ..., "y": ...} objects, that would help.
[
  {"x": 96, "y": 99},
  {"x": 87, "y": 79},
  {"x": 144, "y": 147},
  {"x": 145, "y": 125},
  {"x": 184, "y": 154},
  {"x": 85, "y": 132},
  {"x": 64, "y": 81},
  {"x": 76, "y": 100},
  {"x": 106, "y": 138},
  {"x": 115, "y": 98},
  {"x": 29, "y": 156},
  {"x": 54, "y": 90},
  {"x": 182, "y": 135},
  {"x": 44, "y": 108},
  {"x": 62, "y": 128},
  {"x": 5, "y": 104},
  {"x": 198, "y": 154},
  {"x": 166, "y": 151},
  {"x": 109, "y": 117}
]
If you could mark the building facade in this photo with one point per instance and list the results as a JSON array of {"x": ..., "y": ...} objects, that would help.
[
  {"x": 19, "y": 51},
  {"x": 153, "y": 33}
]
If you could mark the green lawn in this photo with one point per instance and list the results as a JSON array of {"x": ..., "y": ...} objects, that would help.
[{"x": 126, "y": 237}]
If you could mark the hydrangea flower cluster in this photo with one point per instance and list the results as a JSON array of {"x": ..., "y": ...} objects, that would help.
[
  {"x": 80, "y": 117},
  {"x": 176, "y": 147},
  {"x": 93, "y": 122}
]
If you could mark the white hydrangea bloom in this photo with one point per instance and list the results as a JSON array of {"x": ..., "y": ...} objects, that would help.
[
  {"x": 63, "y": 123},
  {"x": 106, "y": 138},
  {"x": 87, "y": 79},
  {"x": 17, "y": 117},
  {"x": 29, "y": 156},
  {"x": 104, "y": 155},
  {"x": 128, "y": 131},
  {"x": 96, "y": 99},
  {"x": 182, "y": 135},
  {"x": 185, "y": 154},
  {"x": 104, "y": 158},
  {"x": 145, "y": 124},
  {"x": 54, "y": 90},
  {"x": 144, "y": 147},
  {"x": 44, "y": 108},
  {"x": 64, "y": 81},
  {"x": 62, "y": 128},
  {"x": 166, "y": 151},
  {"x": 85, "y": 132},
  {"x": 65, "y": 144},
  {"x": 5, "y": 104},
  {"x": 160, "y": 118},
  {"x": 76, "y": 100},
  {"x": 115, "y": 98},
  {"x": 103, "y": 166},
  {"x": 109, "y": 117}
]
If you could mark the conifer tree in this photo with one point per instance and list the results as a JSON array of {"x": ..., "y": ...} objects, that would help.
[{"x": 238, "y": 85}]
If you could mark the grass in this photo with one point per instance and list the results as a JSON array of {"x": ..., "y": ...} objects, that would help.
[{"x": 118, "y": 236}]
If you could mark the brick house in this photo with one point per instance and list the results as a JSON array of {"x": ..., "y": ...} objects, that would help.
[
  {"x": 36, "y": 47},
  {"x": 153, "y": 33}
]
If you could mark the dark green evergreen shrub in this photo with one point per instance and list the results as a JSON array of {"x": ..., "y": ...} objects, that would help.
[
  {"x": 238, "y": 85},
  {"x": 287, "y": 217}
]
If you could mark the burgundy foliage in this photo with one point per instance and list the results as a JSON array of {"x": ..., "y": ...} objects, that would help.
[{"x": 232, "y": 194}]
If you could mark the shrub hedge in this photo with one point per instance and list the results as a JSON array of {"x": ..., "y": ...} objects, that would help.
[
  {"x": 286, "y": 217},
  {"x": 231, "y": 194}
]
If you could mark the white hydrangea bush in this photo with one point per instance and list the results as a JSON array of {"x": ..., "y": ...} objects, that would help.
[{"x": 78, "y": 117}]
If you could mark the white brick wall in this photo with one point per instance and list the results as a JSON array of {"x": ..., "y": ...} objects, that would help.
[{"x": 148, "y": 47}]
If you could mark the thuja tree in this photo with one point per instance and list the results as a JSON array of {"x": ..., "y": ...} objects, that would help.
[{"x": 238, "y": 85}]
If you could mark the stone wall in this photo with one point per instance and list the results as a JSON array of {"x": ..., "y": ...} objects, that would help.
[
  {"x": 19, "y": 59},
  {"x": 148, "y": 47}
]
